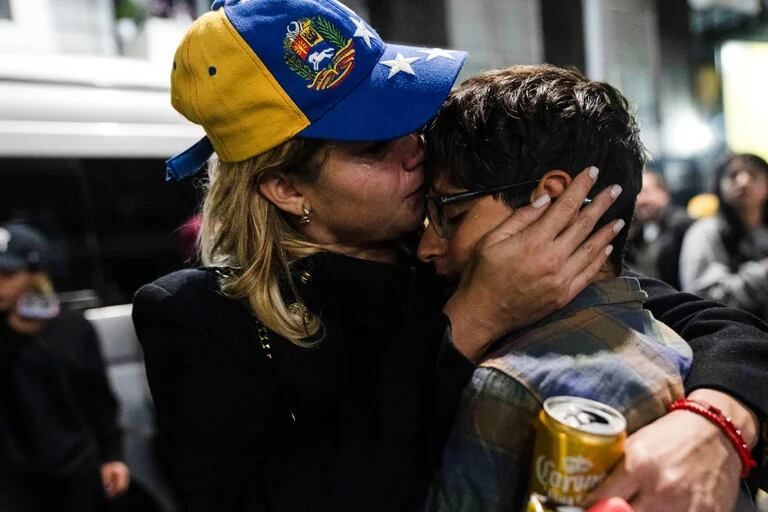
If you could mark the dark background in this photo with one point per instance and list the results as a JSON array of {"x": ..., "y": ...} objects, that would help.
[{"x": 112, "y": 222}]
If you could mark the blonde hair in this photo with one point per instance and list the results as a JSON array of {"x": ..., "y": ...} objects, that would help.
[
  {"x": 246, "y": 233},
  {"x": 42, "y": 284}
]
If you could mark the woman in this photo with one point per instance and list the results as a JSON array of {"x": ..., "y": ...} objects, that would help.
[
  {"x": 59, "y": 436},
  {"x": 310, "y": 365},
  {"x": 725, "y": 257}
]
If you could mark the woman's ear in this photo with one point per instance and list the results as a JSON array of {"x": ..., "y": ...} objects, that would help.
[
  {"x": 280, "y": 191},
  {"x": 554, "y": 183}
]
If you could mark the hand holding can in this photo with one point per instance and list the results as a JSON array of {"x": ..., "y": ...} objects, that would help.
[{"x": 577, "y": 443}]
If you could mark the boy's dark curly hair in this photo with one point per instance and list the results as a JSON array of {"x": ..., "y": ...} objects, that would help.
[{"x": 515, "y": 124}]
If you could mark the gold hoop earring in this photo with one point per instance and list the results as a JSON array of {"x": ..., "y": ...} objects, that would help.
[{"x": 307, "y": 214}]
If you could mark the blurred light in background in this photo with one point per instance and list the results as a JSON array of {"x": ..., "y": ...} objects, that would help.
[
  {"x": 744, "y": 67},
  {"x": 687, "y": 134},
  {"x": 745, "y": 6}
]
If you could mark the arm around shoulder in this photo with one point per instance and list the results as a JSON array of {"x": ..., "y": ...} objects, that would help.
[{"x": 730, "y": 351}]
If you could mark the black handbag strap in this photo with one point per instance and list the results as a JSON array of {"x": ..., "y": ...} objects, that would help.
[{"x": 266, "y": 347}]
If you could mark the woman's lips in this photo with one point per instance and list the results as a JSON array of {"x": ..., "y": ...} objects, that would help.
[{"x": 419, "y": 190}]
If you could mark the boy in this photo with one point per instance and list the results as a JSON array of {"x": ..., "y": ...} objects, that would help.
[{"x": 502, "y": 139}]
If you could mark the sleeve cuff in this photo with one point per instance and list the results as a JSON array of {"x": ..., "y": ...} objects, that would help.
[
  {"x": 450, "y": 358},
  {"x": 111, "y": 454},
  {"x": 453, "y": 372}
]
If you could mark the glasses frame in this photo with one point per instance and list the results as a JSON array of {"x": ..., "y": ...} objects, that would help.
[{"x": 441, "y": 201}]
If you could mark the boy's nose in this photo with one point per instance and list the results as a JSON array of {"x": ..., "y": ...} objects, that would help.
[{"x": 431, "y": 246}]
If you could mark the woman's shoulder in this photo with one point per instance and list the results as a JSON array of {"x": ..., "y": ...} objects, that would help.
[
  {"x": 186, "y": 311},
  {"x": 76, "y": 327},
  {"x": 185, "y": 280},
  {"x": 70, "y": 319},
  {"x": 185, "y": 286},
  {"x": 189, "y": 297}
]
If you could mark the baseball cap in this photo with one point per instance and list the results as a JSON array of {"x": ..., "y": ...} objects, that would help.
[
  {"x": 22, "y": 248},
  {"x": 254, "y": 73}
]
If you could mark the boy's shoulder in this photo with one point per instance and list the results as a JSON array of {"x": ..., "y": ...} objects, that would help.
[
  {"x": 606, "y": 347},
  {"x": 596, "y": 313}
]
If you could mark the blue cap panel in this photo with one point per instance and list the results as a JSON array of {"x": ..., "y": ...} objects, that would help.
[
  {"x": 189, "y": 161},
  {"x": 309, "y": 46},
  {"x": 403, "y": 92}
]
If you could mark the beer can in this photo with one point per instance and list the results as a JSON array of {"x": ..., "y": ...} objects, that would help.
[{"x": 577, "y": 443}]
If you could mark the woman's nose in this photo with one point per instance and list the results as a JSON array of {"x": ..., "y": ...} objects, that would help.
[
  {"x": 413, "y": 151},
  {"x": 431, "y": 246}
]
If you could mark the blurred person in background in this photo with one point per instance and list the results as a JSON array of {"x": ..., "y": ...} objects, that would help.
[
  {"x": 725, "y": 257},
  {"x": 656, "y": 235},
  {"x": 59, "y": 440}
]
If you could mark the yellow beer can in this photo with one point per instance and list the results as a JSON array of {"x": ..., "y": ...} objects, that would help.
[{"x": 577, "y": 443}]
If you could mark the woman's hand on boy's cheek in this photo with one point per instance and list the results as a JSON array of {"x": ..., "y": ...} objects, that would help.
[{"x": 532, "y": 264}]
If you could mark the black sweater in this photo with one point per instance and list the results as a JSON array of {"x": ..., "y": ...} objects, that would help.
[
  {"x": 57, "y": 412},
  {"x": 373, "y": 401}
]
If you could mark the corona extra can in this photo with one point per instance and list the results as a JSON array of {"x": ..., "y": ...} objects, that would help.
[{"x": 577, "y": 443}]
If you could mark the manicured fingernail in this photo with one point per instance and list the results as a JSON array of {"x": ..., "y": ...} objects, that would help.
[
  {"x": 541, "y": 201},
  {"x": 593, "y": 172},
  {"x": 616, "y": 191},
  {"x": 608, "y": 250},
  {"x": 618, "y": 225}
]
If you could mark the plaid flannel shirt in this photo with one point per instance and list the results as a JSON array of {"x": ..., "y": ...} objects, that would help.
[{"x": 603, "y": 346}]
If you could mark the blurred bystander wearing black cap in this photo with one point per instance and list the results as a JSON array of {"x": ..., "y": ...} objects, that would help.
[{"x": 22, "y": 248}]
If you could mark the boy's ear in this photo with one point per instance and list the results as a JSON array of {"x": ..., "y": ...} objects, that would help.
[
  {"x": 554, "y": 183},
  {"x": 279, "y": 190}
]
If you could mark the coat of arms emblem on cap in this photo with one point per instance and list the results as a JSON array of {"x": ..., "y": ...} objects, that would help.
[{"x": 317, "y": 51}]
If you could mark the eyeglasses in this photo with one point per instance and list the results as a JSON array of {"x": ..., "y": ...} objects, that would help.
[{"x": 443, "y": 225}]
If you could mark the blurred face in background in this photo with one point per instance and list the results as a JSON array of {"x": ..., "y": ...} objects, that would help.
[
  {"x": 744, "y": 186},
  {"x": 652, "y": 200},
  {"x": 12, "y": 286}
]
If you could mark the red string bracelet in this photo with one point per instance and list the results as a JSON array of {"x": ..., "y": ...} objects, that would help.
[{"x": 731, "y": 431}]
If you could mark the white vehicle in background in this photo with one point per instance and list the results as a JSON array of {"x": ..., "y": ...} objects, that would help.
[
  {"x": 82, "y": 145},
  {"x": 81, "y": 107}
]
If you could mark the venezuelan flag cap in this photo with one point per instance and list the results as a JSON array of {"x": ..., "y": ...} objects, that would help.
[{"x": 255, "y": 73}]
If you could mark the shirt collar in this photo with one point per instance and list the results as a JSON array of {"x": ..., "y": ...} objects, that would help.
[{"x": 619, "y": 290}]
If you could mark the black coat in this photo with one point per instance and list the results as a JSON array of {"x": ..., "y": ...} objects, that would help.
[
  {"x": 58, "y": 416},
  {"x": 362, "y": 399},
  {"x": 372, "y": 403}
]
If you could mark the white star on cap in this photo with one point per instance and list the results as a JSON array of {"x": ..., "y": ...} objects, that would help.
[
  {"x": 362, "y": 31},
  {"x": 438, "y": 52},
  {"x": 399, "y": 64}
]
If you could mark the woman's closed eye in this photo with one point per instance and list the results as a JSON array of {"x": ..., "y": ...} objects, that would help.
[{"x": 375, "y": 149}]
